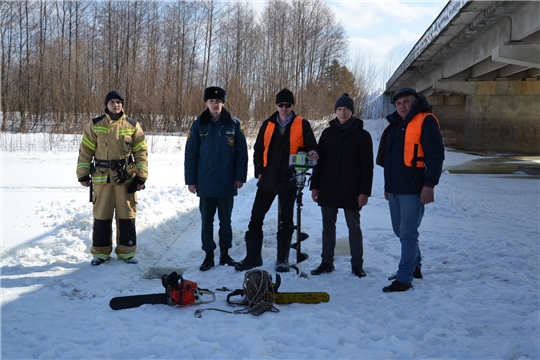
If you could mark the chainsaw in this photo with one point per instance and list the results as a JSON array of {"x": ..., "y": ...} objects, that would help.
[{"x": 178, "y": 292}]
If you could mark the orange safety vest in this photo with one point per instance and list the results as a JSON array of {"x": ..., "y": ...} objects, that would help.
[
  {"x": 413, "y": 154},
  {"x": 296, "y": 137}
]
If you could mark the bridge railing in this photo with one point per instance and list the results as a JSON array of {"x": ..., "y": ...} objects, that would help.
[{"x": 447, "y": 14}]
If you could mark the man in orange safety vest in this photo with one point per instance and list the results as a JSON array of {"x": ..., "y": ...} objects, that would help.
[
  {"x": 281, "y": 135},
  {"x": 411, "y": 151}
]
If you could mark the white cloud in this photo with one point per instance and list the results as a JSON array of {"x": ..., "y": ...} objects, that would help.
[
  {"x": 382, "y": 46},
  {"x": 385, "y": 15},
  {"x": 356, "y": 16},
  {"x": 384, "y": 31}
]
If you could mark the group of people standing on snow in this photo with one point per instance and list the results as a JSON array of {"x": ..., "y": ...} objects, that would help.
[{"x": 113, "y": 162}]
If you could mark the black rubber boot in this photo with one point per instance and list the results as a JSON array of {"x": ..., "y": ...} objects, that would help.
[
  {"x": 224, "y": 258},
  {"x": 208, "y": 261},
  {"x": 283, "y": 250},
  {"x": 253, "y": 257}
]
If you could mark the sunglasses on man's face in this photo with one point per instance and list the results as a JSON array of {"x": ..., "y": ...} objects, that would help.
[{"x": 287, "y": 105}]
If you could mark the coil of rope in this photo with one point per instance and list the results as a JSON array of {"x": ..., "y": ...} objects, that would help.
[{"x": 257, "y": 292}]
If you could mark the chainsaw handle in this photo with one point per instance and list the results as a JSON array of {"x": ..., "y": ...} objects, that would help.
[
  {"x": 198, "y": 292},
  {"x": 235, "y": 293},
  {"x": 273, "y": 287}
]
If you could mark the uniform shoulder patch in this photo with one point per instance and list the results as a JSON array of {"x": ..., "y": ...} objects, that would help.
[{"x": 97, "y": 119}]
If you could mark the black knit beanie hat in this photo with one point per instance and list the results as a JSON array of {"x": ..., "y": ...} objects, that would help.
[
  {"x": 215, "y": 92},
  {"x": 285, "y": 96},
  {"x": 345, "y": 101},
  {"x": 113, "y": 95}
]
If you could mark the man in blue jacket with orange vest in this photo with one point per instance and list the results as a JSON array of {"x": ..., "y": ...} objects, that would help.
[
  {"x": 412, "y": 153},
  {"x": 282, "y": 134}
]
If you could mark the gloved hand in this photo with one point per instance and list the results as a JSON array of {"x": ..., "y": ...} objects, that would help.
[
  {"x": 84, "y": 178},
  {"x": 121, "y": 174},
  {"x": 133, "y": 186}
]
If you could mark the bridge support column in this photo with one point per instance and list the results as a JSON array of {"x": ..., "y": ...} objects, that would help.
[
  {"x": 450, "y": 110},
  {"x": 498, "y": 116},
  {"x": 503, "y": 123}
]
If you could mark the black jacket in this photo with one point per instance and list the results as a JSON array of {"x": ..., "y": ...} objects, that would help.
[
  {"x": 277, "y": 177},
  {"x": 345, "y": 166},
  {"x": 398, "y": 178}
]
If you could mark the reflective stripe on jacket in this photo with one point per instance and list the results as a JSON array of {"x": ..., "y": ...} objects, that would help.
[
  {"x": 296, "y": 137},
  {"x": 107, "y": 139}
]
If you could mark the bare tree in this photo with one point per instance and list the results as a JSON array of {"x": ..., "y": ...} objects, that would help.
[
  {"x": 365, "y": 81},
  {"x": 209, "y": 14},
  {"x": 303, "y": 38},
  {"x": 237, "y": 49},
  {"x": 273, "y": 74},
  {"x": 7, "y": 35},
  {"x": 60, "y": 58}
]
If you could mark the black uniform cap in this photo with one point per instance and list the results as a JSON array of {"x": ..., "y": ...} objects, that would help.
[{"x": 215, "y": 92}]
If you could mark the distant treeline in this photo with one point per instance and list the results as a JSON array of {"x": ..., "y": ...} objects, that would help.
[{"x": 60, "y": 58}]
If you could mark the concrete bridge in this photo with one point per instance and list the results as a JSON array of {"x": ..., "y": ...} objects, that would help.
[{"x": 478, "y": 64}]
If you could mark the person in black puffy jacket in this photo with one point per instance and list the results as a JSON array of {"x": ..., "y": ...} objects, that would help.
[{"x": 343, "y": 179}]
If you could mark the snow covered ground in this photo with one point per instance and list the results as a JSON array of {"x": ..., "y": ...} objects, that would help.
[{"x": 479, "y": 298}]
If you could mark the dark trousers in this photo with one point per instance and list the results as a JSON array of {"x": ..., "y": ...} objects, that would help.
[
  {"x": 208, "y": 206},
  {"x": 352, "y": 217},
  {"x": 261, "y": 205}
]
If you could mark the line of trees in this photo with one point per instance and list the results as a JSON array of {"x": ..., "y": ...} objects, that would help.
[{"x": 59, "y": 59}]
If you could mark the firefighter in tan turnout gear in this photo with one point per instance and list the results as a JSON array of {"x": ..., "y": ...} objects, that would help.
[{"x": 113, "y": 161}]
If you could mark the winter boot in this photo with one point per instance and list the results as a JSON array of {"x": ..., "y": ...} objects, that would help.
[
  {"x": 417, "y": 274},
  {"x": 208, "y": 261},
  {"x": 396, "y": 286},
  {"x": 358, "y": 271},
  {"x": 131, "y": 260},
  {"x": 128, "y": 258},
  {"x": 253, "y": 257},
  {"x": 323, "y": 268},
  {"x": 224, "y": 258},
  {"x": 99, "y": 260},
  {"x": 283, "y": 250}
]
